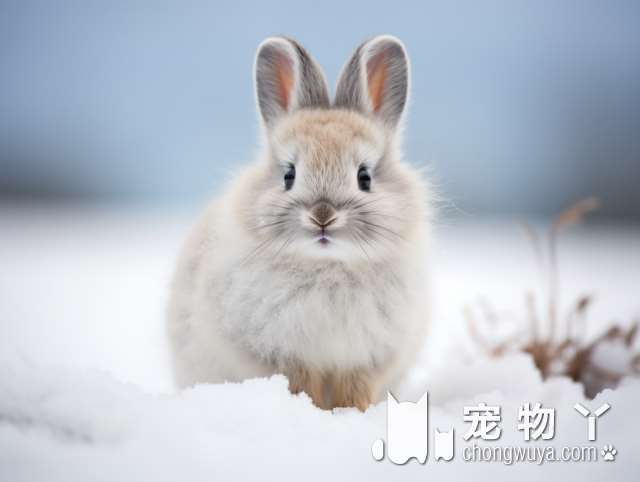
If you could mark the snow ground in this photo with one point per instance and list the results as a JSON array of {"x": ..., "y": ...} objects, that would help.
[{"x": 85, "y": 387}]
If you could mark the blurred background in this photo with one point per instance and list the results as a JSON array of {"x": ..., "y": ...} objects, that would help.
[
  {"x": 119, "y": 119},
  {"x": 517, "y": 107}
]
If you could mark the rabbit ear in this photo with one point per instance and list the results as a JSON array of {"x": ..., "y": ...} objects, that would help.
[
  {"x": 375, "y": 80},
  {"x": 287, "y": 78}
]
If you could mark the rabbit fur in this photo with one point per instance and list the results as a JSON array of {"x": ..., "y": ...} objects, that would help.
[{"x": 298, "y": 268}]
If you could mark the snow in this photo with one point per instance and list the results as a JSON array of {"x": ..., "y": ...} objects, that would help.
[{"x": 85, "y": 387}]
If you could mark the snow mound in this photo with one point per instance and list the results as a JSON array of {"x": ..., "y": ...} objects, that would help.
[{"x": 60, "y": 424}]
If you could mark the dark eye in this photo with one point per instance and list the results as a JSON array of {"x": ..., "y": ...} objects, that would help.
[
  {"x": 364, "y": 179},
  {"x": 289, "y": 177}
]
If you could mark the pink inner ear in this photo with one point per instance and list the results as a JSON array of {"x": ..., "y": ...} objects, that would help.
[
  {"x": 376, "y": 78},
  {"x": 284, "y": 79}
]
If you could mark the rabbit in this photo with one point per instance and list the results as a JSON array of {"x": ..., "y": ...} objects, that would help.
[{"x": 312, "y": 263}]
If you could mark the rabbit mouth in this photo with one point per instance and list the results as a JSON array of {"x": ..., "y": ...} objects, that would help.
[{"x": 323, "y": 238}]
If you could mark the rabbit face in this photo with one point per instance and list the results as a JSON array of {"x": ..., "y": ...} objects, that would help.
[
  {"x": 335, "y": 187},
  {"x": 332, "y": 183}
]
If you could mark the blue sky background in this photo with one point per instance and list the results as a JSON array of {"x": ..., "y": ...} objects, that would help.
[{"x": 517, "y": 107}]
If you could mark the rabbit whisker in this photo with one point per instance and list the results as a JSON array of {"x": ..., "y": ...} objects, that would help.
[{"x": 378, "y": 226}]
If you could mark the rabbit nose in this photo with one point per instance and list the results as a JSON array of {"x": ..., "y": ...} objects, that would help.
[{"x": 322, "y": 214}]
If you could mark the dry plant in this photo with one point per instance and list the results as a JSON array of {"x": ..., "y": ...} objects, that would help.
[{"x": 598, "y": 364}]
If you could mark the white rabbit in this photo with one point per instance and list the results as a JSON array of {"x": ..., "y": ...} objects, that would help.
[{"x": 312, "y": 263}]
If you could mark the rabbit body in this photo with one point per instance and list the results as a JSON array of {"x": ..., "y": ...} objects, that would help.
[{"x": 320, "y": 276}]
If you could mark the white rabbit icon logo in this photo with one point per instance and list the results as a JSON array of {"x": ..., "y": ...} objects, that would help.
[
  {"x": 407, "y": 431},
  {"x": 443, "y": 445}
]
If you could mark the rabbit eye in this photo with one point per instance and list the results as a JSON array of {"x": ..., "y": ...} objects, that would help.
[
  {"x": 364, "y": 179},
  {"x": 289, "y": 177}
]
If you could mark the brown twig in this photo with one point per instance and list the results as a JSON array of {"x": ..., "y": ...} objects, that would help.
[{"x": 570, "y": 354}]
